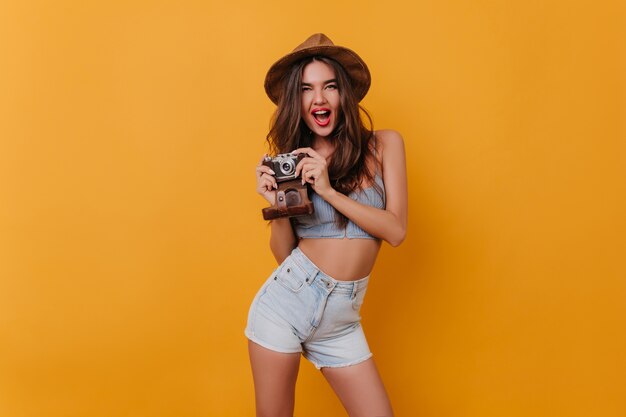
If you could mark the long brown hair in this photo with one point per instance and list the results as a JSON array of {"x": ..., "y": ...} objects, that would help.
[{"x": 351, "y": 139}]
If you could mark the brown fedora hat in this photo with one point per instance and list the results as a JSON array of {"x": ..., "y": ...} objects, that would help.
[{"x": 320, "y": 44}]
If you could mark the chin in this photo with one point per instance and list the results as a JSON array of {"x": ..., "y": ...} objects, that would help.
[{"x": 322, "y": 131}]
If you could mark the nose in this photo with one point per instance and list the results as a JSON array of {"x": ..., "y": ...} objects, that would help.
[{"x": 319, "y": 98}]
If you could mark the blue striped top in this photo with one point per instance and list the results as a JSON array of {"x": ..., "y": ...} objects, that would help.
[{"x": 321, "y": 224}]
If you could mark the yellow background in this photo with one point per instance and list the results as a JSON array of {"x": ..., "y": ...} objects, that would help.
[{"x": 131, "y": 238}]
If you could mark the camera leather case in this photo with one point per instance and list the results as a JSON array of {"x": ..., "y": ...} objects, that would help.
[{"x": 291, "y": 196}]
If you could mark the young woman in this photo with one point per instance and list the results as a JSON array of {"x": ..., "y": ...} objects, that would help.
[{"x": 310, "y": 304}]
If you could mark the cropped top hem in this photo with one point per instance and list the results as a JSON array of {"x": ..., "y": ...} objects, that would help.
[
  {"x": 322, "y": 223},
  {"x": 370, "y": 237}
]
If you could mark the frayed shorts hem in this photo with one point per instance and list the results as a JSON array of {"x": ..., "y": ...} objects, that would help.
[
  {"x": 269, "y": 346},
  {"x": 339, "y": 365}
]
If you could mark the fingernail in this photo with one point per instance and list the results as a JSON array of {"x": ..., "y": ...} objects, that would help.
[{"x": 272, "y": 172}]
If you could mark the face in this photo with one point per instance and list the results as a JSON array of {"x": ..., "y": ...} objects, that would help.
[{"x": 320, "y": 98}]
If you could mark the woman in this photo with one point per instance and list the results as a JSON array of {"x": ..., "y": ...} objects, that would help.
[{"x": 310, "y": 304}]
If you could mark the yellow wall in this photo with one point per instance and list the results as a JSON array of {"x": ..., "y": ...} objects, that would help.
[{"x": 131, "y": 238}]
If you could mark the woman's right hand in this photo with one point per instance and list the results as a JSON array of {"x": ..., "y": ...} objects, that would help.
[{"x": 266, "y": 184}]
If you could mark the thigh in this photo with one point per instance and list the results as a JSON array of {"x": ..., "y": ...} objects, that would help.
[
  {"x": 360, "y": 389},
  {"x": 274, "y": 375}
]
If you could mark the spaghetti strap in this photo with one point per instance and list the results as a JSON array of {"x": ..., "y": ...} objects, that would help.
[{"x": 378, "y": 170}]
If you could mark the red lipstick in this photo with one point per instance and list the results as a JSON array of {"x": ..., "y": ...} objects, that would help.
[{"x": 321, "y": 115}]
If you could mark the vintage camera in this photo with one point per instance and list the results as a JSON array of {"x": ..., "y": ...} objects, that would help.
[
  {"x": 284, "y": 165},
  {"x": 291, "y": 196}
]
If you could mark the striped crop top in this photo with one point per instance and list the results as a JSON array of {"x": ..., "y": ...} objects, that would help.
[{"x": 321, "y": 224}]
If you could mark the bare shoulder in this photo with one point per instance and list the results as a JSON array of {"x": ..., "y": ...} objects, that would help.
[
  {"x": 391, "y": 141},
  {"x": 388, "y": 134}
]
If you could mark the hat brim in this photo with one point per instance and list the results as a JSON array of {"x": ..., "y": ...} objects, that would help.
[{"x": 356, "y": 68}]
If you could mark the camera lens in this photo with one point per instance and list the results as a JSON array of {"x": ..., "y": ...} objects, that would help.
[{"x": 287, "y": 167}]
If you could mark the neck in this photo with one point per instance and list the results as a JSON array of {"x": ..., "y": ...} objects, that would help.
[{"x": 323, "y": 146}]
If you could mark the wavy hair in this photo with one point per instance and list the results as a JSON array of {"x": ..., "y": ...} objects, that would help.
[{"x": 352, "y": 139}]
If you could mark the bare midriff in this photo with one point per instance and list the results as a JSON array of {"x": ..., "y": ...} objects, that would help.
[{"x": 343, "y": 259}]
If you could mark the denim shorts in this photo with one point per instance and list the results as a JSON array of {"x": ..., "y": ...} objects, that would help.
[{"x": 301, "y": 309}]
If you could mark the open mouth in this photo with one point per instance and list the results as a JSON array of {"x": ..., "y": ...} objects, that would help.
[{"x": 321, "y": 116}]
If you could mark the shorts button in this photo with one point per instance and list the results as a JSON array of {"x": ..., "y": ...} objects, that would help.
[{"x": 288, "y": 269}]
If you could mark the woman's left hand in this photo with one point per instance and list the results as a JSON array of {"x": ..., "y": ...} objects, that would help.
[{"x": 314, "y": 169}]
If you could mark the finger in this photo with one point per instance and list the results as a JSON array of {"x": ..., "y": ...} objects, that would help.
[
  {"x": 269, "y": 186},
  {"x": 310, "y": 175},
  {"x": 267, "y": 183},
  {"x": 272, "y": 184},
  {"x": 262, "y": 169},
  {"x": 306, "y": 163},
  {"x": 308, "y": 151},
  {"x": 268, "y": 178}
]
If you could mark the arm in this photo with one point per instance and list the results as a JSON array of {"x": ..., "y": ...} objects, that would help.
[
  {"x": 389, "y": 224},
  {"x": 282, "y": 239}
]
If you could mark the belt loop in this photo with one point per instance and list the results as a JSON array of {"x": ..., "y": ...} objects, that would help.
[
  {"x": 355, "y": 287},
  {"x": 310, "y": 278}
]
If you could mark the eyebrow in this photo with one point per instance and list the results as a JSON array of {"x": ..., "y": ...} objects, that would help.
[{"x": 334, "y": 80}]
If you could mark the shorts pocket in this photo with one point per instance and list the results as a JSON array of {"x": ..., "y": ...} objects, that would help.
[{"x": 291, "y": 277}]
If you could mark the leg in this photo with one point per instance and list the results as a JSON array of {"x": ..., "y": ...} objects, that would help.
[
  {"x": 360, "y": 389},
  {"x": 274, "y": 377}
]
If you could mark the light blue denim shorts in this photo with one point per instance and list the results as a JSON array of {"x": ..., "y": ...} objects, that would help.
[{"x": 301, "y": 309}]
